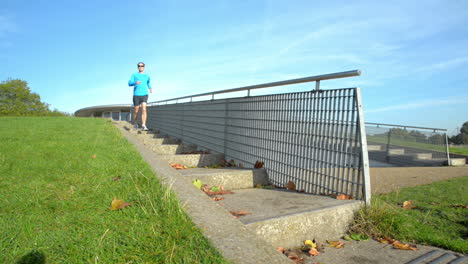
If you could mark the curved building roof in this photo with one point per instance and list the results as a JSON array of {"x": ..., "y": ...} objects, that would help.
[{"x": 88, "y": 111}]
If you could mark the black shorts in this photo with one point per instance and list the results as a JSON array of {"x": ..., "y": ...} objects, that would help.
[{"x": 137, "y": 100}]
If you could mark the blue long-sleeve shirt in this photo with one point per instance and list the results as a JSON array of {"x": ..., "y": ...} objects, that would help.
[{"x": 142, "y": 88}]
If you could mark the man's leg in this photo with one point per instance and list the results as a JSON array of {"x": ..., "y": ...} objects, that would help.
[
  {"x": 135, "y": 115},
  {"x": 143, "y": 114}
]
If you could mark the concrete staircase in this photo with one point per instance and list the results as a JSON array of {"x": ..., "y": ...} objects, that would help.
[
  {"x": 280, "y": 217},
  {"x": 407, "y": 157}
]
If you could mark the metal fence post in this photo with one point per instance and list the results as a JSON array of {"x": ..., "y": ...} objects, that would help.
[
  {"x": 364, "y": 153},
  {"x": 447, "y": 148},
  {"x": 389, "y": 136}
]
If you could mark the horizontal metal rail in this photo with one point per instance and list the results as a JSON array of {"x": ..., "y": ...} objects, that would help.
[
  {"x": 316, "y": 79},
  {"x": 403, "y": 126}
]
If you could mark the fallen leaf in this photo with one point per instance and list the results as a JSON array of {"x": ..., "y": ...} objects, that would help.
[
  {"x": 459, "y": 205},
  {"x": 197, "y": 183},
  {"x": 118, "y": 178},
  {"x": 388, "y": 239},
  {"x": 280, "y": 249},
  {"x": 93, "y": 156},
  {"x": 214, "y": 189},
  {"x": 293, "y": 256},
  {"x": 335, "y": 244},
  {"x": 399, "y": 245},
  {"x": 118, "y": 204},
  {"x": 359, "y": 237},
  {"x": 221, "y": 190},
  {"x": 291, "y": 186},
  {"x": 237, "y": 214},
  {"x": 259, "y": 164},
  {"x": 344, "y": 197},
  {"x": 310, "y": 243},
  {"x": 347, "y": 238},
  {"x": 178, "y": 166},
  {"x": 314, "y": 252},
  {"x": 408, "y": 205},
  {"x": 215, "y": 198}
]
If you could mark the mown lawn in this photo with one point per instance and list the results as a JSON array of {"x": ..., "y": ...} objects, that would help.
[
  {"x": 418, "y": 145},
  {"x": 58, "y": 176},
  {"x": 438, "y": 215}
]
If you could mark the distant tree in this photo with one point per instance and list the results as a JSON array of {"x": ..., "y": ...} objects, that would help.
[
  {"x": 16, "y": 99},
  {"x": 437, "y": 139},
  {"x": 462, "y": 137},
  {"x": 464, "y": 128},
  {"x": 404, "y": 134}
]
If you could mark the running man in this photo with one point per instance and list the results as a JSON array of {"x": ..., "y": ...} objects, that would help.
[{"x": 141, "y": 84}]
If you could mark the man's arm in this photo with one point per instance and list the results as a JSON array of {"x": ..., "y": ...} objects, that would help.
[
  {"x": 149, "y": 85},
  {"x": 132, "y": 81}
]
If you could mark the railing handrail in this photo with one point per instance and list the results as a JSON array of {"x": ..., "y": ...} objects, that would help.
[
  {"x": 403, "y": 126},
  {"x": 316, "y": 78}
]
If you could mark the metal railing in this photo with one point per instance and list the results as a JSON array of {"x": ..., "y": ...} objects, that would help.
[
  {"x": 315, "y": 79},
  {"x": 315, "y": 139},
  {"x": 401, "y": 145}
]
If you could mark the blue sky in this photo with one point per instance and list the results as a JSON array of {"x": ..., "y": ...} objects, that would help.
[{"x": 413, "y": 54}]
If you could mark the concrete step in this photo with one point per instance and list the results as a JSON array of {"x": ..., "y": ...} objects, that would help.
[
  {"x": 153, "y": 141},
  {"x": 229, "y": 178},
  {"x": 420, "y": 156},
  {"x": 374, "y": 147},
  {"x": 172, "y": 148},
  {"x": 194, "y": 160},
  {"x": 457, "y": 162},
  {"x": 286, "y": 218},
  {"x": 396, "y": 151}
]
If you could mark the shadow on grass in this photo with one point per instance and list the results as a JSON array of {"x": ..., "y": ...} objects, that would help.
[{"x": 33, "y": 257}]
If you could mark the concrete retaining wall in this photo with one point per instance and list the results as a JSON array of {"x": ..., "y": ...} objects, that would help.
[{"x": 385, "y": 180}]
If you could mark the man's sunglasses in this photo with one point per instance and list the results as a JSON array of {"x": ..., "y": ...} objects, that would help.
[{"x": 141, "y": 65}]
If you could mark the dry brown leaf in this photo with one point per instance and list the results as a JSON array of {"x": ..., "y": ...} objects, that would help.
[
  {"x": 93, "y": 156},
  {"x": 215, "y": 198},
  {"x": 459, "y": 205},
  {"x": 117, "y": 204},
  {"x": 118, "y": 178},
  {"x": 399, "y": 245},
  {"x": 336, "y": 244},
  {"x": 280, "y": 249},
  {"x": 178, "y": 166},
  {"x": 314, "y": 252},
  {"x": 408, "y": 205},
  {"x": 259, "y": 164},
  {"x": 293, "y": 256},
  {"x": 239, "y": 213},
  {"x": 344, "y": 197},
  {"x": 291, "y": 186},
  {"x": 205, "y": 188}
]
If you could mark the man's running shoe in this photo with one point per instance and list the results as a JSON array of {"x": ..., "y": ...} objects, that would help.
[{"x": 144, "y": 128}]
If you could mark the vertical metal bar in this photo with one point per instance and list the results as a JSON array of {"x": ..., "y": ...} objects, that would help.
[
  {"x": 447, "y": 150},
  {"x": 321, "y": 143},
  {"x": 317, "y": 85},
  {"x": 349, "y": 142},
  {"x": 313, "y": 142},
  {"x": 226, "y": 126},
  {"x": 333, "y": 150},
  {"x": 387, "y": 154},
  {"x": 364, "y": 153},
  {"x": 343, "y": 149}
]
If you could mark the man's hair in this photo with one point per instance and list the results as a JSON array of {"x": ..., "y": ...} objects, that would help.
[{"x": 141, "y": 63}]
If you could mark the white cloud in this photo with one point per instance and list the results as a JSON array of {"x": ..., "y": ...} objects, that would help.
[
  {"x": 422, "y": 104},
  {"x": 6, "y": 26},
  {"x": 444, "y": 65}
]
